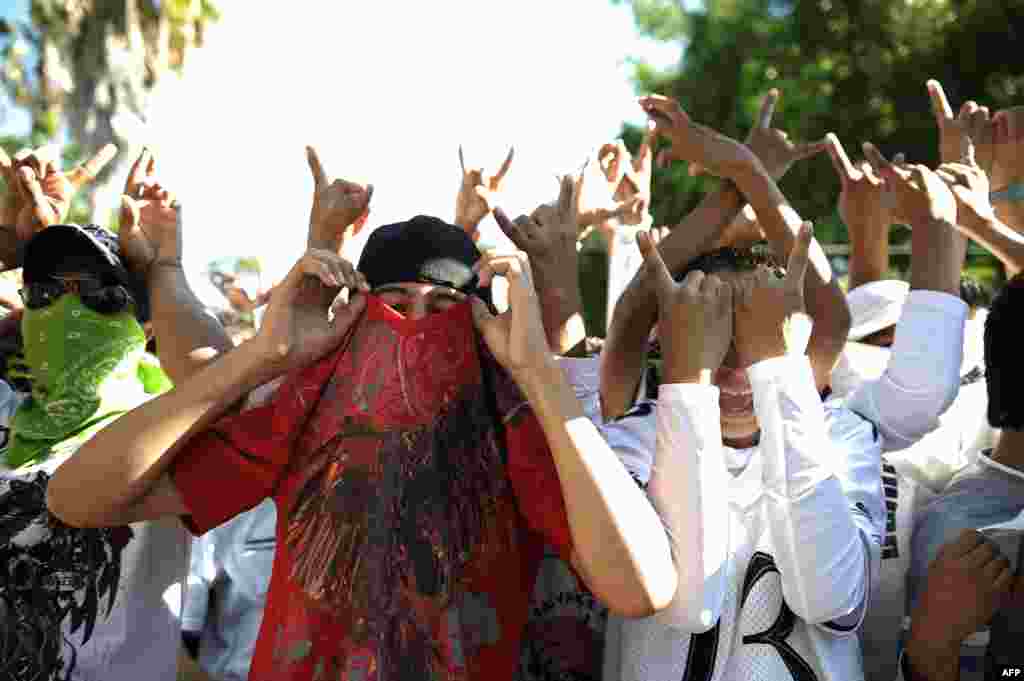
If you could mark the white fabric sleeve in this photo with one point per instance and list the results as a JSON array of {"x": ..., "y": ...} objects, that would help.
[
  {"x": 202, "y": 572},
  {"x": 584, "y": 375},
  {"x": 923, "y": 375},
  {"x": 689, "y": 487},
  {"x": 820, "y": 554}
]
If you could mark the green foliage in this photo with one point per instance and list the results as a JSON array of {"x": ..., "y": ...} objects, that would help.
[{"x": 853, "y": 67}]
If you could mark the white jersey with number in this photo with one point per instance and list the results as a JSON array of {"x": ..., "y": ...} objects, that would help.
[{"x": 775, "y": 545}]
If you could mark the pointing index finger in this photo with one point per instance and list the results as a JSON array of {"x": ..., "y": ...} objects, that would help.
[
  {"x": 840, "y": 161},
  {"x": 940, "y": 105},
  {"x": 317, "y": 168},
  {"x": 796, "y": 268},
  {"x": 768, "y": 108}
]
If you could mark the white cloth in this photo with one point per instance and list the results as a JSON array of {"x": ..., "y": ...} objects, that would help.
[
  {"x": 227, "y": 590},
  {"x": 782, "y": 535},
  {"x": 110, "y": 598},
  {"x": 925, "y": 443},
  {"x": 875, "y": 305}
]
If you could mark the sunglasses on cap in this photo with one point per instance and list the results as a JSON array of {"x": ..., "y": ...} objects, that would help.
[{"x": 98, "y": 297}]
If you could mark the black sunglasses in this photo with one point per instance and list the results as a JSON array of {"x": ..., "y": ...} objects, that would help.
[{"x": 98, "y": 297}]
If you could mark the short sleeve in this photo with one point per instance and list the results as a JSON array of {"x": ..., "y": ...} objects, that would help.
[
  {"x": 230, "y": 467},
  {"x": 535, "y": 481}
]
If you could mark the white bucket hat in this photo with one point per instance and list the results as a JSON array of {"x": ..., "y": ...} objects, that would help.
[{"x": 875, "y": 306}]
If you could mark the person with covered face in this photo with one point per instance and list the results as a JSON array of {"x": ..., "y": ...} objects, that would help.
[
  {"x": 421, "y": 450},
  {"x": 85, "y": 603}
]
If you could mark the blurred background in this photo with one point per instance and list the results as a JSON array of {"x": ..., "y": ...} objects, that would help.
[{"x": 228, "y": 92}]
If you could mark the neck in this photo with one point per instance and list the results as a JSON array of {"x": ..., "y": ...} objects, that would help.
[{"x": 1010, "y": 449}]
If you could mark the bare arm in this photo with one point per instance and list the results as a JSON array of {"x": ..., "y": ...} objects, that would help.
[
  {"x": 622, "y": 361},
  {"x": 619, "y": 545}
]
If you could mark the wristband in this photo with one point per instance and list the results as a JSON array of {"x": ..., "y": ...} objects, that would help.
[{"x": 1012, "y": 193}]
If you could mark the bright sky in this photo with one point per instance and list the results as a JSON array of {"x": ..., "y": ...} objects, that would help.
[{"x": 386, "y": 91}]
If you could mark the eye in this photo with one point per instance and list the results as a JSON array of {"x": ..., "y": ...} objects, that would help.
[{"x": 400, "y": 308}]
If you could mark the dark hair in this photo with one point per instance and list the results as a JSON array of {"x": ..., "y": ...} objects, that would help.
[
  {"x": 728, "y": 259},
  {"x": 974, "y": 293},
  {"x": 1004, "y": 367}
]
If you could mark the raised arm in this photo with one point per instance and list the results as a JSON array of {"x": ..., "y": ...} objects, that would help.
[
  {"x": 923, "y": 375},
  {"x": 120, "y": 474},
  {"x": 619, "y": 545},
  {"x": 689, "y": 482},
  {"x": 478, "y": 194},
  {"x": 188, "y": 336},
  {"x": 866, "y": 214}
]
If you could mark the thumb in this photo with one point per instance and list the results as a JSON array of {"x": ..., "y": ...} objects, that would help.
[
  {"x": 653, "y": 263},
  {"x": 345, "y": 314}
]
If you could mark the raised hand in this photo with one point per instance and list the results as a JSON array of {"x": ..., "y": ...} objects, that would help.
[
  {"x": 919, "y": 196},
  {"x": 970, "y": 186},
  {"x": 150, "y": 218},
  {"x": 1008, "y": 152},
  {"x": 695, "y": 317},
  {"x": 479, "y": 193},
  {"x": 597, "y": 191},
  {"x": 770, "y": 317},
  {"x": 863, "y": 205},
  {"x": 515, "y": 337},
  {"x": 46, "y": 191},
  {"x": 548, "y": 237},
  {"x": 973, "y": 122},
  {"x": 296, "y": 329},
  {"x": 772, "y": 146},
  {"x": 340, "y": 208},
  {"x": 710, "y": 150}
]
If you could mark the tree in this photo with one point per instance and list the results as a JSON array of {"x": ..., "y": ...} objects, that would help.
[
  {"x": 853, "y": 67},
  {"x": 91, "y": 65}
]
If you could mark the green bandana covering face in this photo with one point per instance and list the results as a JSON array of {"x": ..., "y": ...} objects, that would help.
[{"x": 85, "y": 369}]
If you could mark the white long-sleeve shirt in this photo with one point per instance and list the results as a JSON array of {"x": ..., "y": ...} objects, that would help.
[{"x": 774, "y": 545}]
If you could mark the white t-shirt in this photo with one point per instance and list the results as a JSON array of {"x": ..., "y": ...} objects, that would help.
[
  {"x": 104, "y": 603},
  {"x": 227, "y": 590},
  {"x": 754, "y": 601}
]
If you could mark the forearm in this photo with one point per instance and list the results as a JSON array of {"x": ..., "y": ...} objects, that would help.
[
  {"x": 869, "y": 255},
  {"x": 825, "y": 301},
  {"x": 625, "y": 348},
  {"x": 806, "y": 505},
  {"x": 188, "y": 336},
  {"x": 560, "y": 302},
  {"x": 619, "y": 543},
  {"x": 1003, "y": 242},
  {"x": 689, "y": 488},
  {"x": 937, "y": 257},
  {"x": 923, "y": 375},
  {"x": 119, "y": 465}
]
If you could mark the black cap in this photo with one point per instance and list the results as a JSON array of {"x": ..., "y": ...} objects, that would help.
[
  {"x": 424, "y": 249},
  {"x": 89, "y": 249}
]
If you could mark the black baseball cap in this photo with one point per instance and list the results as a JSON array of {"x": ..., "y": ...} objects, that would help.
[
  {"x": 424, "y": 249},
  {"x": 90, "y": 249}
]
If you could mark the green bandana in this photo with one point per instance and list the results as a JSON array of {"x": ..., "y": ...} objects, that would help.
[{"x": 85, "y": 369}]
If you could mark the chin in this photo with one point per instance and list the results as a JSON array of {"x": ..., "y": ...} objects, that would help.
[{"x": 739, "y": 427}]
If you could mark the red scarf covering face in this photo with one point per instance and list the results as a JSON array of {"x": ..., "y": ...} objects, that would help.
[{"x": 402, "y": 479}]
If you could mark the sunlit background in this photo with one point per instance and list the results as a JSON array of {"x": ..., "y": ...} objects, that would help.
[{"x": 386, "y": 91}]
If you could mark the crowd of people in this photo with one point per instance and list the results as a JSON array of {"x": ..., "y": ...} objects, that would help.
[{"x": 408, "y": 474}]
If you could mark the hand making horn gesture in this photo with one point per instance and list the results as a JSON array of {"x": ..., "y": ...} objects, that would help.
[
  {"x": 150, "y": 218},
  {"x": 695, "y": 317},
  {"x": 919, "y": 196},
  {"x": 973, "y": 122},
  {"x": 770, "y": 317},
  {"x": 44, "y": 190},
  {"x": 478, "y": 193},
  {"x": 711, "y": 151},
  {"x": 340, "y": 208},
  {"x": 772, "y": 146}
]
